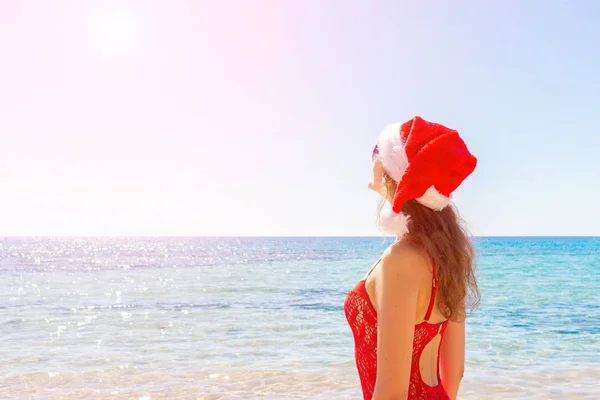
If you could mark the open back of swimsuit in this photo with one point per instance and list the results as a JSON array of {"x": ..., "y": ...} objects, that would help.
[{"x": 362, "y": 317}]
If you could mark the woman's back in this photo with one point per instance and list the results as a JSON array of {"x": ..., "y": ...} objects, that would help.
[{"x": 361, "y": 312}]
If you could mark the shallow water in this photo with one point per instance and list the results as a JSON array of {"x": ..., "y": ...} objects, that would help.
[{"x": 166, "y": 318}]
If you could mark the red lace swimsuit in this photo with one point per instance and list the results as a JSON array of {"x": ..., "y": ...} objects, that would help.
[{"x": 362, "y": 318}]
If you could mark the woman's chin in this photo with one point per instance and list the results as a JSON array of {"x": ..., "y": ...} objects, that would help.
[{"x": 375, "y": 188}]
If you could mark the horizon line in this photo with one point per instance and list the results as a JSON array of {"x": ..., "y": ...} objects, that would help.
[{"x": 273, "y": 236}]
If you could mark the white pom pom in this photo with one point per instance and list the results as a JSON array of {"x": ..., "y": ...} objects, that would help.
[{"x": 393, "y": 223}]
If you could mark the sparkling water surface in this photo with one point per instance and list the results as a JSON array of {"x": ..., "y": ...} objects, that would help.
[{"x": 226, "y": 318}]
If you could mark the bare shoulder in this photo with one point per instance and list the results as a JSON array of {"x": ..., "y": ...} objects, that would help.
[
  {"x": 401, "y": 272},
  {"x": 403, "y": 261}
]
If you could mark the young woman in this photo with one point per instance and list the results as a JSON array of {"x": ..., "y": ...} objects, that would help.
[{"x": 408, "y": 313}]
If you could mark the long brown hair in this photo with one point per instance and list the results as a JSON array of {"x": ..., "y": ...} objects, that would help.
[{"x": 443, "y": 236}]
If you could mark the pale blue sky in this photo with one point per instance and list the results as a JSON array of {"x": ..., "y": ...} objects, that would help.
[{"x": 258, "y": 118}]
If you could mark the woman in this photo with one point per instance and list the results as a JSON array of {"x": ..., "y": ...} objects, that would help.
[{"x": 408, "y": 313}]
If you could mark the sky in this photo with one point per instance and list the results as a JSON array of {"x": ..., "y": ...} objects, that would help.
[{"x": 259, "y": 117}]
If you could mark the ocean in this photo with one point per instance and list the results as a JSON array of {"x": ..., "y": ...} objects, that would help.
[{"x": 245, "y": 318}]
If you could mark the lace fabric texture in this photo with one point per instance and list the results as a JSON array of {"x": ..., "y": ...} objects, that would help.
[{"x": 362, "y": 319}]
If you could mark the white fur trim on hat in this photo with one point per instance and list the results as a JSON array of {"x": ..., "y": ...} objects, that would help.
[
  {"x": 434, "y": 199},
  {"x": 393, "y": 223},
  {"x": 391, "y": 151}
]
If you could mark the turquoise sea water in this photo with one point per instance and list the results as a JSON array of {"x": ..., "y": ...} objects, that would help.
[{"x": 198, "y": 318}]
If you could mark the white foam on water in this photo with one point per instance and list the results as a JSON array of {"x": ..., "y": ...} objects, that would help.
[{"x": 272, "y": 385}]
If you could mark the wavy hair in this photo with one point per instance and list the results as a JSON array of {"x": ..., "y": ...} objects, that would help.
[{"x": 443, "y": 236}]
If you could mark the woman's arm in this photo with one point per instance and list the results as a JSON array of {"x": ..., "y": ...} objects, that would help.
[
  {"x": 452, "y": 357},
  {"x": 396, "y": 292}
]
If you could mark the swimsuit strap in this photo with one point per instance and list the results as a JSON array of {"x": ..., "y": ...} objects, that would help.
[
  {"x": 433, "y": 290},
  {"x": 372, "y": 268},
  {"x": 434, "y": 282}
]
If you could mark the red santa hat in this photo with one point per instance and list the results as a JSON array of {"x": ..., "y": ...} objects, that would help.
[{"x": 428, "y": 161}]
